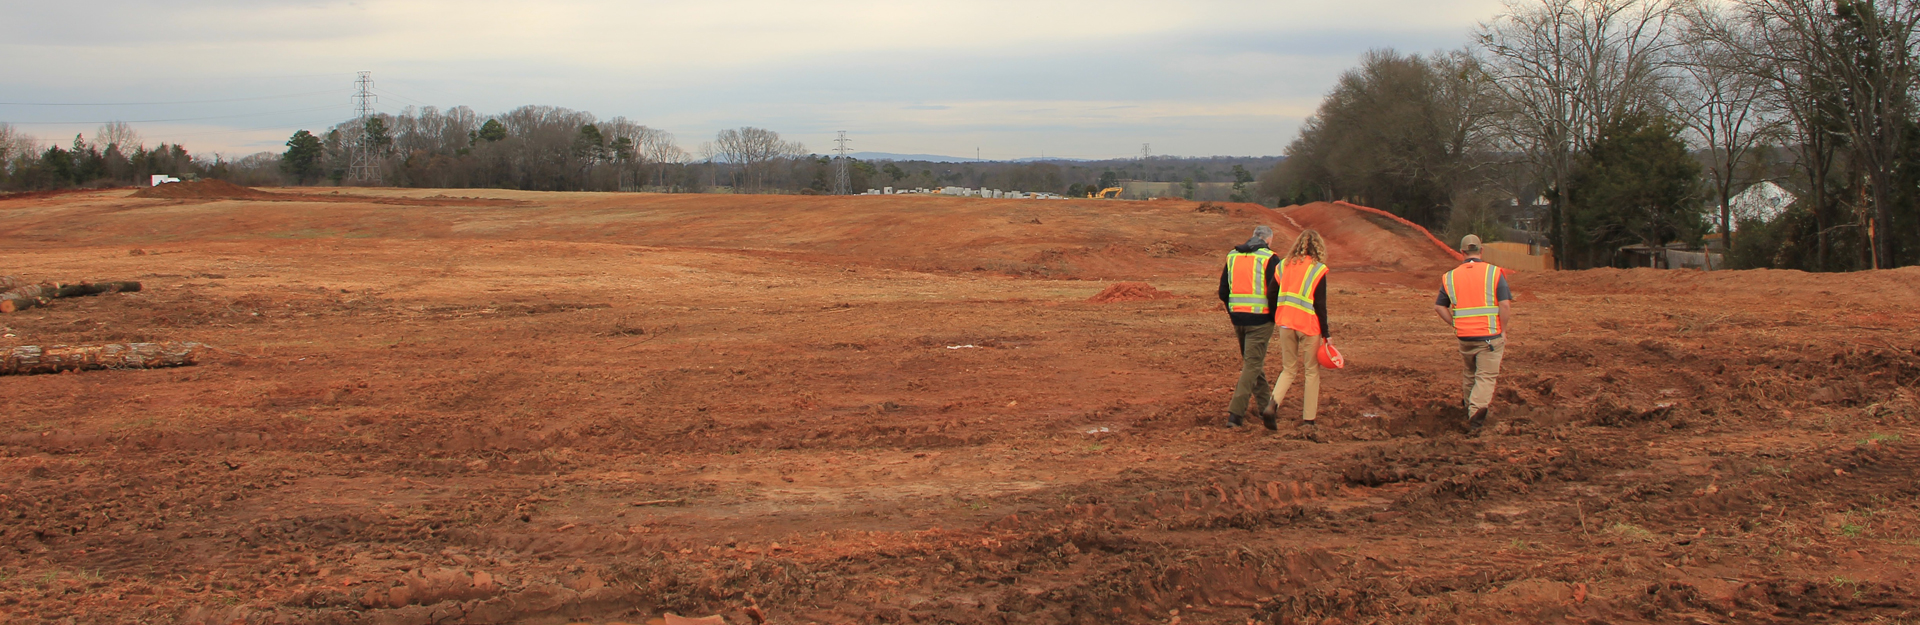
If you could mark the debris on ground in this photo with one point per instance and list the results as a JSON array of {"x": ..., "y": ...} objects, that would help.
[{"x": 32, "y": 359}]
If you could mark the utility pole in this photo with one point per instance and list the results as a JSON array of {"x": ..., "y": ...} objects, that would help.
[
  {"x": 842, "y": 183},
  {"x": 360, "y": 167}
]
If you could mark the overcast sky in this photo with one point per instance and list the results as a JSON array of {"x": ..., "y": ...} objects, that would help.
[{"x": 1013, "y": 79}]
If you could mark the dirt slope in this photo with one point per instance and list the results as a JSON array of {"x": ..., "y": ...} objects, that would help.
[
  {"x": 1369, "y": 243},
  {"x": 551, "y": 408}
]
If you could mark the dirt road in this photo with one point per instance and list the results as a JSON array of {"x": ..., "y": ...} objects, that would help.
[{"x": 510, "y": 407}]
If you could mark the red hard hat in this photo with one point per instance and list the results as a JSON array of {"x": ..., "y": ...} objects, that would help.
[{"x": 1329, "y": 357}]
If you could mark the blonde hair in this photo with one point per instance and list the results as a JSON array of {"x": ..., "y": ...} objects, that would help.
[{"x": 1309, "y": 244}]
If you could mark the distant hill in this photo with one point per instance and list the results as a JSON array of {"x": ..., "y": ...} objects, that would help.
[
  {"x": 888, "y": 156},
  {"x": 935, "y": 158}
]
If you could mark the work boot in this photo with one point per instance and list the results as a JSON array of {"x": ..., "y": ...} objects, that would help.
[
  {"x": 1311, "y": 431},
  {"x": 1476, "y": 420},
  {"x": 1270, "y": 416},
  {"x": 1234, "y": 421}
]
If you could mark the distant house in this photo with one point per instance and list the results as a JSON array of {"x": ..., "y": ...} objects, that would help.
[
  {"x": 1670, "y": 256},
  {"x": 1762, "y": 201}
]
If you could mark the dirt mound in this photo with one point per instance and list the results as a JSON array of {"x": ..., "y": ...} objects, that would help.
[
  {"x": 1131, "y": 292},
  {"x": 204, "y": 190}
]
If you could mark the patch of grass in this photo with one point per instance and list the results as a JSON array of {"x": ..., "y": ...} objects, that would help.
[
  {"x": 1769, "y": 469},
  {"x": 1852, "y": 530},
  {"x": 1877, "y": 437},
  {"x": 1096, "y": 447},
  {"x": 1842, "y": 580},
  {"x": 1631, "y": 532}
]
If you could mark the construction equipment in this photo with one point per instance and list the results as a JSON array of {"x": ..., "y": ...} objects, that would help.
[{"x": 1103, "y": 193}]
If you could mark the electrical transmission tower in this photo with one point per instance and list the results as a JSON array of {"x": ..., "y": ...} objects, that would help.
[
  {"x": 1146, "y": 151},
  {"x": 842, "y": 184},
  {"x": 360, "y": 167}
]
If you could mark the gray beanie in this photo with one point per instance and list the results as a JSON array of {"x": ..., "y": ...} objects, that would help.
[{"x": 1261, "y": 234}]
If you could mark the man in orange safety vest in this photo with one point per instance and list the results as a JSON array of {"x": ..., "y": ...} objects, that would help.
[{"x": 1476, "y": 301}]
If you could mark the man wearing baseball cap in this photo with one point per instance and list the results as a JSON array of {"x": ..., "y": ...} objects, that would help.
[{"x": 1475, "y": 300}]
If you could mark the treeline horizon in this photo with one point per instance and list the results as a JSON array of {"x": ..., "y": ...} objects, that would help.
[
  {"x": 1639, "y": 121},
  {"x": 546, "y": 148}
]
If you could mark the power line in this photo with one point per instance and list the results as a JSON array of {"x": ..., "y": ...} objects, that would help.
[
  {"x": 387, "y": 92},
  {"x": 267, "y": 97},
  {"x": 179, "y": 119}
]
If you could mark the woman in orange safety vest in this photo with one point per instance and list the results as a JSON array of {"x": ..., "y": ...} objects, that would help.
[{"x": 1302, "y": 320}]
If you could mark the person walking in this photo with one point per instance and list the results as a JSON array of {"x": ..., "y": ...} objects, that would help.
[
  {"x": 1476, "y": 301},
  {"x": 1248, "y": 288},
  {"x": 1302, "y": 321}
]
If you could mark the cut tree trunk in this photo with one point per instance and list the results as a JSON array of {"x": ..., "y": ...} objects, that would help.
[
  {"x": 32, "y": 359},
  {"x": 8, "y": 283},
  {"x": 26, "y": 297},
  {"x": 30, "y": 295},
  {"x": 96, "y": 288}
]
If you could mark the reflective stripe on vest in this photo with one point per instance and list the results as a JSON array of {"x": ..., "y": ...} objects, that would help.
[
  {"x": 1247, "y": 281},
  {"x": 1474, "y": 291},
  {"x": 1297, "y": 282}
]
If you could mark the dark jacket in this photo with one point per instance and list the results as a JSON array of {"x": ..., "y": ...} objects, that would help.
[
  {"x": 1273, "y": 290},
  {"x": 1273, "y": 296}
]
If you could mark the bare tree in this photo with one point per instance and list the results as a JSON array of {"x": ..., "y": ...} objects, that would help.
[
  {"x": 117, "y": 134},
  {"x": 754, "y": 150},
  {"x": 1565, "y": 68},
  {"x": 14, "y": 145},
  {"x": 1846, "y": 71},
  {"x": 1720, "y": 95},
  {"x": 657, "y": 148}
]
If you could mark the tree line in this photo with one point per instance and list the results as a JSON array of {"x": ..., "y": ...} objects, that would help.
[
  {"x": 114, "y": 156},
  {"x": 556, "y": 149},
  {"x": 1639, "y": 122}
]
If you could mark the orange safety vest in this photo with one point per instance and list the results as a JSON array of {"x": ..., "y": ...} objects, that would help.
[
  {"x": 1474, "y": 289},
  {"x": 1247, "y": 281},
  {"x": 1297, "y": 283}
]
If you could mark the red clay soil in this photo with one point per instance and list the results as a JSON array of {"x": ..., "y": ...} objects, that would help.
[
  {"x": 608, "y": 407},
  {"x": 1130, "y": 292},
  {"x": 204, "y": 190}
]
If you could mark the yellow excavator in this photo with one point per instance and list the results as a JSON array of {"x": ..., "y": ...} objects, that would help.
[{"x": 1109, "y": 193}]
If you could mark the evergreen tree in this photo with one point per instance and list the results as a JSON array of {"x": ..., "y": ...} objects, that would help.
[
  {"x": 305, "y": 158},
  {"x": 1636, "y": 184}
]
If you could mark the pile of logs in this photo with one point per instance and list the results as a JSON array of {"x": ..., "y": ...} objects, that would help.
[
  {"x": 17, "y": 294},
  {"x": 33, "y": 359}
]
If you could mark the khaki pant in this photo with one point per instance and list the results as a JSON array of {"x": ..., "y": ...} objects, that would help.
[
  {"x": 1482, "y": 359},
  {"x": 1253, "y": 365},
  {"x": 1300, "y": 357}
]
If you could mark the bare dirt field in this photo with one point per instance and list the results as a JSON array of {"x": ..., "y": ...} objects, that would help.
[{"x": 470, "y": 406}]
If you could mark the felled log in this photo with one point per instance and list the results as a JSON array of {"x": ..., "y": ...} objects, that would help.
[
  {"x": 95, "y": 288},
  {"x": 32, "y": 359},
  {"x": 31, "y": 295},
  {"x": 8, "y": 283}
]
